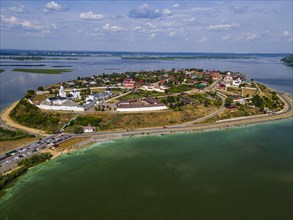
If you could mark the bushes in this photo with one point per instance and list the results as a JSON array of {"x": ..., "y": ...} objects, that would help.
[
  {"x": 179, "y": 88},
  {"x": 12, "y": 135},
  {"x": 24, "y": 165},
  {"x": 77, "y": 129},
  {"x": 258, "y": 101},
  {"x": 29, "y": 115},
  {"x": 86, "y": 120},
  {"x": 35, "y": 159},
  {"x": 5, "y": 179}
]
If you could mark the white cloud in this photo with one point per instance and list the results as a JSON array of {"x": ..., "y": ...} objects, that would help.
[
  {"x": 17, "y": 9},
  {"x": 173, "y": 33},
  {"x": 15, "y": 23},
  {"x": 176, "y": 5},
  {"x": 167, "y": 12},
  {"x": 227, "y": 37},
  {"x": 144, "y": 12},
  {"x": 153, "y": 35},
  {"x": 252, "y": 36},
  {"x": 222, "y": 27},
  {"x": 114, "y": 28},
  {"x": 90, "y": 16},
  {"x": 53, "y": 7},
  {"x": 9, "y": 21},
  {"x": 285, "y": 34},
  {"x": 203, "y": 39}
]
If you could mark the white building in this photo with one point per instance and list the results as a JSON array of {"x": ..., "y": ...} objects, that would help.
[
  {"x": 88, "y": 129},
  {"x": 228, "y": 80},
  {"x": 154, "y": 88},
  {"x": 75, "y": 94},
  {"x": 237, "y": 82},
  {"x": 98, "y": 97},
  {"x": 62, "y": 92},
  {"x": 60, "y": 103}
]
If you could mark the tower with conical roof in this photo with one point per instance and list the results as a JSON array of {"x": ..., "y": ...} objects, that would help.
[{"x": 62, "y": 92}]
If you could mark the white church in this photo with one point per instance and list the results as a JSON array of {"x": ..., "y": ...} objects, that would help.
[{"x": 62, "y": 102}]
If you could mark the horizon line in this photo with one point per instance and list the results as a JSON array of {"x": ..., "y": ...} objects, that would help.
[{"x": 109, "y": 51}]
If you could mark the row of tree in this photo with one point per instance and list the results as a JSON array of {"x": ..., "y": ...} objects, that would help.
[{"x": 12, "y": 134}]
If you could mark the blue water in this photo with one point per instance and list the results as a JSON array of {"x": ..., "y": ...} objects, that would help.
[{"x": 244, "y": 173}]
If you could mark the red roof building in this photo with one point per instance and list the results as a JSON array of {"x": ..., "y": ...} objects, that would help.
[{"x": 128, "y": 83}]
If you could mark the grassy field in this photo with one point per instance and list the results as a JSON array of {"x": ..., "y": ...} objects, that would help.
[
  {"x": 250, "y": 92},
  {"x": 6, "y": 146},
  {"x": 8, "y": 135},
  {"x": 70, "y": 143},
  {"x": 43, "y": 71},
  {"x": 141, "y": 94},
  {"x": 38, "y": 98},
  {"x": 116, "y": 120}
]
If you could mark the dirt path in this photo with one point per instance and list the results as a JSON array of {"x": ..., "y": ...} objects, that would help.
[{"x": 8, "y": 121}]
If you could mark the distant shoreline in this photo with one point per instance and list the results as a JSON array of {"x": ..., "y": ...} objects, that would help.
[{"x": 42, "y": 71}]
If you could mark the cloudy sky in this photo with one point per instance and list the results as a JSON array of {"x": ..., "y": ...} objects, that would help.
[{"x": 137, "y": 25}]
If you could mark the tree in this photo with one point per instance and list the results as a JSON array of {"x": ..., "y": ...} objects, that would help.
[
  {"x": 228, "y": 101},
  {"x": 77, "y": 129},
  {"x": 40, "y": 88},
  {"x": 258, "y": 101},
  {"x": 29, "y": 93}
]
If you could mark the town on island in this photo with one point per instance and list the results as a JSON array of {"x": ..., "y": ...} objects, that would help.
[{"x": 64, "y": 116}]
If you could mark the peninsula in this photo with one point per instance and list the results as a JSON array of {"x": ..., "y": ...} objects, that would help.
[{"x": 111, "y": 106}]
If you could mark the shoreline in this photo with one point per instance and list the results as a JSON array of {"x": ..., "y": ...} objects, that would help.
[{"x": 7, "y": 121}]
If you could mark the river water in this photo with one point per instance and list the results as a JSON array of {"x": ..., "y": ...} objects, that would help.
[{"x": 242, "y": 173}]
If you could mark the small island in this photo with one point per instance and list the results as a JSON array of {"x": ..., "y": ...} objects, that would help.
[
  {"x": 288, "y": 60},
  {"x": 42, "y": 71}
]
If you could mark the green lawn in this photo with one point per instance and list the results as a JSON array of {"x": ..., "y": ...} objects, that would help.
[
  {"x": 141, "y": 94},
  {"x": 43, "y": 71},
  {"x": 12, "y": 135}
]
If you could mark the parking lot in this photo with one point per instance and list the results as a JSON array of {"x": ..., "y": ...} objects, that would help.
[{"x": 9, "y": 160}]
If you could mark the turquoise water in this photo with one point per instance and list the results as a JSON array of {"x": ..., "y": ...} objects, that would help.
[{"x": 243, "y": 173}]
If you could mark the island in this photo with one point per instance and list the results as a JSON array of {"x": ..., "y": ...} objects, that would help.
[
  {"x": 288, "y": 60},
  {"x": 42, "y": 71},
  {"x": 68, "y": 115}
]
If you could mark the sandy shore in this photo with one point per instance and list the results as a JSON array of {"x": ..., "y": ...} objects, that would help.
[{"x": 8, "y": 121}]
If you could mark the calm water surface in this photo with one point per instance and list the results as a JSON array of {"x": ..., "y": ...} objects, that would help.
[{"x": 243, "y": 173}]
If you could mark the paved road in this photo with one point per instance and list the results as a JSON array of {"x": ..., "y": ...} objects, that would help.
[{"x": 9, "y": 160}]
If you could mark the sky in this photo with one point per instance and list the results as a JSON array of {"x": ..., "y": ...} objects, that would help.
[{"x": 156, "y": 26}]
